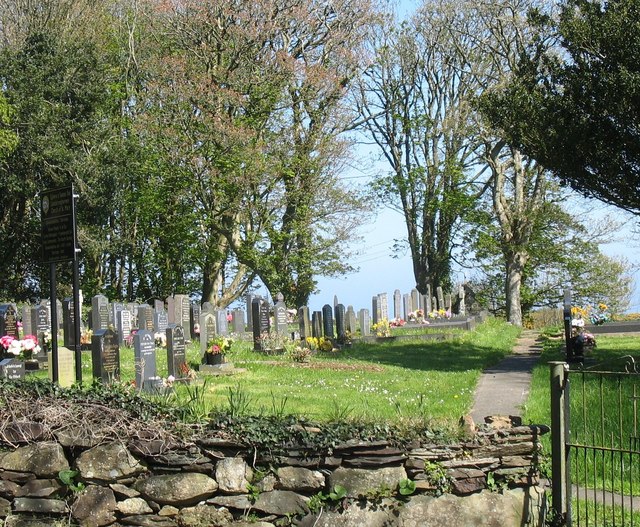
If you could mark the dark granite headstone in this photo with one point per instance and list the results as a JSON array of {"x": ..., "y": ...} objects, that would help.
[
  {"x": 68, "y": 325},
  {"x": 160, "y": 321},
  {"x": 304, "y": 324},
  {"x": 375, "y": 309},
  {"x": 40, "y": 318},
  {"x": 327, "y": 321},
  {"x": 183, "y": 314},
  {"x": 144, "y": 349},
  {"x": 100, "y": 312},
  {"x": 248, "y": 300},
  {"x": 171, "y": 309},
  {"x": 341, "y": 330},
  {"x": 12, "y": 369},
  {"x": 316, "y": 324},
  {"x": 8, "y": 321},
  {"x": 105, "y": 355},
  {"x": 194, "y": 319},
  {"x": 145, "y": 318},
  {"x": 176, "y": 352},
  {"x": 125, "y": 325},
  {"x": 261, "y": 323}
]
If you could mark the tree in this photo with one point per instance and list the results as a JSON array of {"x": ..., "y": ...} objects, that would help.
[
  {"x": 573, "y": 102},
  {"x": 415, "y": 105}
]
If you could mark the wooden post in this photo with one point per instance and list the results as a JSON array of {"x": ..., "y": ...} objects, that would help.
[{"x": 559, "y": 432}]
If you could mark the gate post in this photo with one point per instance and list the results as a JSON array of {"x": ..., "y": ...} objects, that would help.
[{"x": 559, "y": 472}]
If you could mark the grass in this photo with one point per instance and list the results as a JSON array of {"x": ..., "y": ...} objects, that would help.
[
  {"x": 431, "y": 381},
  {"x": 602, "y": 414}
]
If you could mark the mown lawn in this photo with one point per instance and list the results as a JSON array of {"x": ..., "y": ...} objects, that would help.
[{"x": 427, "y": 380}]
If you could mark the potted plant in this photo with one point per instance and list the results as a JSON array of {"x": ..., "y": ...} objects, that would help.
[{"x": 217, "y": 347}]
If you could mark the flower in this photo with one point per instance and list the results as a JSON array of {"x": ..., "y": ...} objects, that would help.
[
  {"x": 397, "y": 323},
  {"x": 23, "y": 349},
  {"x": 382, "y": 328},
  {"x": 219, "y": 344}
]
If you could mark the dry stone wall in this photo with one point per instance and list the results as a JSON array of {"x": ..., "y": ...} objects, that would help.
[{"x": 487, "y": 480}]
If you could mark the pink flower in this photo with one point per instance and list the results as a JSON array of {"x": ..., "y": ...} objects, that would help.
[
  {"x": 29, "y": 342},
  {"x": 6, "y": 341}
]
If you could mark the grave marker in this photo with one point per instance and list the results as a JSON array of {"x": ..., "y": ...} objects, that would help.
[
  {"x": 145, "y": 318},
  {"x": 383, "y": 306},
  {"x": 27, "y": 327},
  {"x": 304, "y": 324},
  {"x": 440, "y": 297},
  {"x": 237, "y": 321},
  {"x": 351, "y": 322},
  {"x": 207, "y": 330},
  {"x": 415, "y": 299},
  {"x": 365, "y": 322},
  {"x": 171, "y": 309},
  {"x": 105, "y": 355},
  {"x": 68, "y": 325},
  {"x": 406, "y": 305},
  {"x": 177, "y": 353},
  {"x": 66, "y": 367},
  {"x": 194, "y": 319},
  {"x": 160, "y": 321},
  {"x": 144, "y": 349},
  {"x": 327, "y": 321},
  {"x": 12, "y": 369},
  {"x": 341, "y": 330},
  {"x": 397, "y": 304},
  {"x": 158, "y": 304},
  {"x": 222, "y": 325},
  {"x": 260, "y": 319},
  {"x": 316, "y": 324},
  {"x": 280, "y": 315},
  {"x": 125, "y": 325},
  {"x": 100, "y": 312},
  {"x": 183, "y": 314},
  {"x": 375, "y": 309},
  {"x": 8, "y": 321}
]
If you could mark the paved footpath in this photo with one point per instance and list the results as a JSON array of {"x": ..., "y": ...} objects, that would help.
[{"x": 503, "y": 388}]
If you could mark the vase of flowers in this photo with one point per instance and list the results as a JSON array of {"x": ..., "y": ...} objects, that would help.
[
  {"x": 217, "y": 348},
  {"x": 24, "y": 349}
]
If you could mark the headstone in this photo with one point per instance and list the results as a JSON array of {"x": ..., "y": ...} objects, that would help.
[
  {"x": 237, "y": 321},
  {"x": 316, "y": 324},
  {"x": 183, "y": 314},
  {"x": 341, "y": 330},
  {"x": 12, "y": 369},
  {"x": 116, "y": 307},
  {"x": 406, "y": 305},
  {"x": 27, "y": 327},
  {"x": 375, "y": 309},
  {"x": 260, "y": 319},
  {"x": 383, "y": 305},
  {"x": 68, "y": 325},
  {"x": 160, "y": 321},
  {"x": 249, "y": 299},
  {"x": 176, "y": 352},
  {"x": 440, "y": 297},
  {"x": 66, "y": 366},
  {"x": 365, "y": 322},
  {"x": 280, "y": 315},
  {"x": 415, "y": 299},
  {"x": 222, "y": 324},
  {"x": 335, "y": 301},
  {"x": 207, "y": 307},
  {"x": 429, "y": 306},
  {"x": 434, "y": 303},
  {"x": 9, "y": 321},
  {"x": 194, "y": 318},
  {"x": 40, "y": 319},
  {"x": 124, "y": 325},
  {"x": 158, "y": 304},
  {"x": 327, "y": 321},
  {"x": 447, "y": 302},
  {"x": 304, "y": 324},
  {"x": 105, "y": 355},
  {"x": 351, "y": 322},
  {"x": 207, "y": 330},
  {"x": 397, "y": 304},
  {"x": 133, "y": 308},
  {"x": 100, "y": 312},
  {"x": 144, "y": 350},
  {"x": 462, "y": 309},
  {"x": 171, "y": 309},
  {"x": 145, "y": 318},
  {"x": 427, "y": 303}
]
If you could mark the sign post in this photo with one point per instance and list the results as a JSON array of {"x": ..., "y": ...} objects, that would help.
[{"x": 59, "y": 244}]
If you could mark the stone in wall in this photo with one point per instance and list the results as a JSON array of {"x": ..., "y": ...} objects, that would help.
[
  {"x": 360, "y": 481},
  {"x": 110, "y": 462},
  {"x": 233, "y": 475},
  {"x": 44, "y": 459},
  {"x": 177, "y": 489}
]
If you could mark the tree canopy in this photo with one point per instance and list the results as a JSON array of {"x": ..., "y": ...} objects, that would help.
[{"x": 574, "y": 101}]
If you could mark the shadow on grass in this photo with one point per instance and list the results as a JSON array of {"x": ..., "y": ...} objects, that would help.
[{"x": 450, "y": 356}]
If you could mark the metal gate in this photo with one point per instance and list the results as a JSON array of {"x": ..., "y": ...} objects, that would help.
[{"x": 596, "y": 445}]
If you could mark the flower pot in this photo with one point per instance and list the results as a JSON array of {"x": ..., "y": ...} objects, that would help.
[{"x": 214, "y": 359}]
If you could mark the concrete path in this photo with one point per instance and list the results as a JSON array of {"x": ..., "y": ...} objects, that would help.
[{"x": 503, "y": 388}]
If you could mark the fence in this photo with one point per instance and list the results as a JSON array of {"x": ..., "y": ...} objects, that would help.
[{"x": 596, "y": 445}]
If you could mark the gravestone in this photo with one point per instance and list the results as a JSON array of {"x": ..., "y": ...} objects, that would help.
[
  {"x": 383, "y": 306},
  {"x": 66, "y": 366},
  {"x": 440, "y": 298},
  {"x": 158, "y": 304},
  {"x": 177, "y": 353},
  {"x": 145, "y": 318},
  {"x": 207, "y": 330},
  {"x": 462, "y": 308},
  {"x": 68, "y": 324},
  {"x": 222, "y": 324},
  {"x": 365, "y": 322},
  {"x": 428, "y": 307},
  {"x": 183, "y": 314},
  {"x": 171, "y": 309},
  {"x": 12, "y": 369},
  {"x": 406, "y": 305},
  {"x": 375, "y": 309},
  {"x": 237, "y": 321},
  {"x": 40, "y": 319},
  {"x": 125, "y": 325},
  {"x": 99, "y": 312},
  {"x": 194, "y": 319},
  {"x": 27, "y": 327},
  {"x": 397, "y": 304},
  {"x": 350, "y": 320},
  {"x": 160, "y": 321},
  {"x": 327, "y": 321},
  {"x": 280, "y": 315},
  {"x": 8, "y": 321},
  {"x": 116, "y": 307},
  {"x": 133, "y": 308},
  {"x": 105, "y": 355},
  {"x": 58, "y": 313},
  {"x": 207, "y": 307},
  {"x": 415, "y": 299},
  {"x": 260, "y": 319},
  {"x": 304, "y": 324},
  {"x": 341, "y": 330},
  {"x": 316, "y": 324},
  {"x": 144, "y": 351},
  {"x": 248, "y": 302}
]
